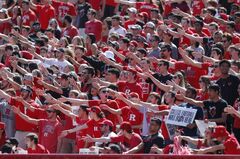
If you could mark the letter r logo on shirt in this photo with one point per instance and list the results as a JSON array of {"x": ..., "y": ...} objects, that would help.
[{"x": 132, "y": 117}]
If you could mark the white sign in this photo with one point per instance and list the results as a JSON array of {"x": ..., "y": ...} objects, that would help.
[
  {"x": 86, "y": 151},
  {"x": 181, "y": 116},
  {"x": 202, "y": 126}
]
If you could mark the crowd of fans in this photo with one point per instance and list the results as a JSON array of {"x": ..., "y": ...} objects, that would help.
[{"x": 104, "y": 74}]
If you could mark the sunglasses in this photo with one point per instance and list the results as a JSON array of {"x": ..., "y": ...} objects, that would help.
[
  {"x": 49, "y": 111},
  {"x": 163, "y": 50},
  {"x": 105, "y": 91}
]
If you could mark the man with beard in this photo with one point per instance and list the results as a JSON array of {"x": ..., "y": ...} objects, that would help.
[
  {"x": 49, "y": 129},
  {"x": 69, "y": 30},
  {"x": 22, "y": 127}
]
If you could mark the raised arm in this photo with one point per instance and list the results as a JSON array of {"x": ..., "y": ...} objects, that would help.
[
  {"x": 32, "y": 5},
  {"x": 189, "y": 100},
  {"x": 50, "y": 87},
  {"x": 190, "y": 139},
  {"x": 121, "y": 56},
  {"x": 88, "y": 138},
  {"x": 25, "y": 117},
  {"x": 128, "y": 102},
  {"x": 129, "y": 3},
  {"x": 77, "y": 128},
  {"x": 64, "y": 111},
  {"x": 188, "y": 60},
  {"x": 164, "y": 87},
  {"x": 74, "y": 101},
  {"x": 110, "y": 62},
  {"x": 5, "y": 95},
  {"x": 189, "y": 36},
  {"x": 211, "y": 149}
]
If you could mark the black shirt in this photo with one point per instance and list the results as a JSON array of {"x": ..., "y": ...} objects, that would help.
[
  {"x": 82, "y": 18},
  {"x": 161, "y": 78},
  {"x": 214, "y": 109},
  {"x": 150, "y": 140},
  {"x": 229, "y": 87}
]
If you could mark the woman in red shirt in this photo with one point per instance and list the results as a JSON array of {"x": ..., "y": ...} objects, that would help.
[
  {"x": 93, "y": 125},
  {"x": 202, "y": 93}
]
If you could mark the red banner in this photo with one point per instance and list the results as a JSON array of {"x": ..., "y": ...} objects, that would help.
[{"x": 150, "y": 156}]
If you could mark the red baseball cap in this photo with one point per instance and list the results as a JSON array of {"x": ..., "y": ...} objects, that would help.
[
  {"x": 126, "y": 126},
  {"x": 134, "y": 43},
  {"x": 96, "y": 109},
  {"x": 2, "y": 125},
  {"x": 220, "y": 131},
  {"x": 107, "y": 122}
]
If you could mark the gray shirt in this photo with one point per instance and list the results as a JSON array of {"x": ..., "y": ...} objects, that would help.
[
  {"x": 8, "y": 117},
  {"x": 155, "y": 53}
]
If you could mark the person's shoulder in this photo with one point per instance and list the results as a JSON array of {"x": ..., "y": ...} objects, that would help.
[{"x": 234, "y": 77}]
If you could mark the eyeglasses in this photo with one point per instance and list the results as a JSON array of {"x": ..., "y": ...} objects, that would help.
[
  {"x": 49, "y": 111},
  {"x": 163, "y": 50},
  {"x": 105, "y": 91}
]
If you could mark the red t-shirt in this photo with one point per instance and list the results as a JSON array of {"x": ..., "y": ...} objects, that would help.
[
  {"x": 112, "y": 104},
  {"x": 21, "y": 124},
  {"x": 39, "y": 149},
  {"x": 45, "y": 13},
  {"x": 145, "y": 7},
  {"x": 236, "y": 106},
  {"x": 235, "y": 39},
  {"x": 28, "y": 18},
  {"x": 95, "y": 4},
  {"x": 5, "y": 27},
  {"x": 202, "y": 95},
  {"x": 231, "y": 146},
  {"x": 68, "y": 124},
  {"x": 111, "y": 3},
  {"x": 129, "y": 23},
  {"x": 132, "y": 115},
  {"x": 94, "y": 27},
  {"x": 79, "y": 134},
  {"x": 146, "y": 88},
  {"x": 197, "y": 7},
  {"x": 70, "y": 31},
  {"x": 48, "y": 134},
  {"x": 127, "y": 88},
  {"x": 94, "y": 127},
  {"x": 192, "y": 73},
  {"x": 129, "y": 143},
  {"x": 205, "y": 32},
  {"x": 63, "y": 9}
]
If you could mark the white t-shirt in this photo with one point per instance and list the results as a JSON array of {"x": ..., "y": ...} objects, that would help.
[
  {"x": 52, "y": 61},
  {"x": 121, "y": 31}
]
